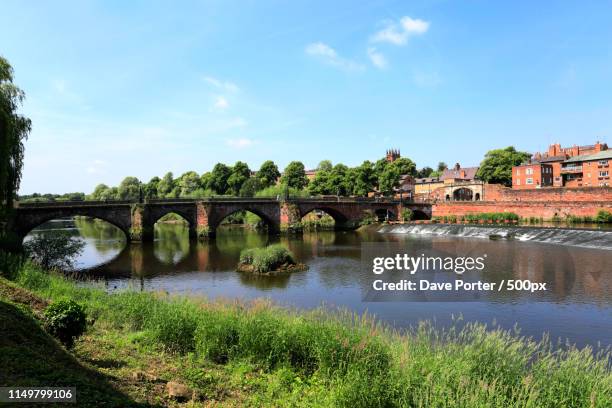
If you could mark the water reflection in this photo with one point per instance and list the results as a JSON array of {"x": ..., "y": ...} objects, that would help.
[{"x": 577, "y": 306}]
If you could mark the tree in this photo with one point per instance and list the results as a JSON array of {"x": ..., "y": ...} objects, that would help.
[
  {"x": 325, "y": 165},
  {"x": 218, "y": 179},
  {"x": 337, "y": 182},
  {"x": 150, "y": 189},
  {"x": 425, "y": 172},
  {"x": 268, "y": 174},
  {"x": 379, "y": 167},
  {"x": 129, "y": 189},
  {"x": 294, "y": 175},
  {"x": 319, "y": 185},
  {"x": 389, "y": 180},
  {"x": 364, "y": 179},
  {"x": 100, "y": 191},
  {"x": 165, "y": 185},
  {"x": 189, "y": 182},
  {"x": 205, "y": 180},
  {"x": 57, "y": 250},
  {"x": 240, "y": 173},
  {"x": 404, "y": 166},
  {"x": 497, "y": 165},
  {"x": 14, "y": 130},
  {"x": 441, "y": 167},
  {"x": 250, "y": 187}
]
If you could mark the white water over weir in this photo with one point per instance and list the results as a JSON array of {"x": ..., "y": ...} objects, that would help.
[{"x": 563, "y": 236}]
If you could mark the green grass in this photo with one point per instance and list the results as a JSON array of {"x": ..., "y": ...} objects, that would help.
[
  {"x": 284, "y": 357},
  {"x": 266, "y": 259},
  {"x": 29, "y": 357}
]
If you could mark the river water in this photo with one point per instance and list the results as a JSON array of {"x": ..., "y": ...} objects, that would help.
[{"x": 577, "y": 307}]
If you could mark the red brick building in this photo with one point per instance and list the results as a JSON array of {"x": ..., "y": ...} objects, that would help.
[
  {"x": 557, "y": 167},
  {"x": 592, "y": 170},
  {"x": 532, "y": 175}
]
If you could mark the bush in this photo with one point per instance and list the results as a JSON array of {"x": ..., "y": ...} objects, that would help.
[
  {"x": 66, "y": 320},
  {"x": 406, "y": 214},
  {"x": 266, "y": 259},
  {"x": 603, "y": 216}
]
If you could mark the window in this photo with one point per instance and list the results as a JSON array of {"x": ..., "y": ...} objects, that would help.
[
  {"x": 529, "y": 180},
  {"x": 518, "y": 182},
  {"x": 528, "y": 171},
  {"x": 518, "y": 172},
  {"x": 603, "y": 162},
  {"x": 601, "y": 173}
]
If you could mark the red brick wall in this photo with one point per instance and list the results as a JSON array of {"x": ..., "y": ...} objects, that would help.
[
  {"x": 496, "y": 192},
  {"x": 546, "y": 210}
]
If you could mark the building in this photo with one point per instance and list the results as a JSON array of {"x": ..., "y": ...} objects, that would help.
[
  {"x": 590, "y": 170},
  {"x": 563, "y": 166},
  {"x": 557, "y": 155},
  {"x": 458, "y": 173},
  {"x": 393, "y": 155},
  {"x": 425, "y": 186},
  {"x": 532, "y": 175},
  {"x": 310, "y": 174},
  {"x": 455, "y": 184}
]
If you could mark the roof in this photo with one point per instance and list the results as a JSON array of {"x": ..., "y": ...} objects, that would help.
[
  {"x": 560, "y": 157},
  {"x": 470, "y": 173},
  {"x": 427, "y": 180},
  {"x": 604, "y": 154}
]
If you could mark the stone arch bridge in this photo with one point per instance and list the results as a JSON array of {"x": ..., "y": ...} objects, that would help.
[{"x": 137, "y": 220}]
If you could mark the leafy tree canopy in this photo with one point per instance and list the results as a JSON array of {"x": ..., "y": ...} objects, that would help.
[
  {"x": 268, "y": 174},
  {"x": 497, "y": 165},
  {"x": 14, "y": 130},
  {"x": 218, "y": 180},
  {"x": 294, "y": 175},
  {"x": 129, "y": 189}
]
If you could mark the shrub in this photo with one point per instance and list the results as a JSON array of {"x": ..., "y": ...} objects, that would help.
[
  {"x": 266, "y": 259},
  {"x": 66, "y": 320},
  {"x": 406, "y": 214},
  {"x": 603, "y": 216}
]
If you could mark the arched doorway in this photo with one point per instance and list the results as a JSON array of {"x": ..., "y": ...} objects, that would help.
[{"x": 463, "y": 194}]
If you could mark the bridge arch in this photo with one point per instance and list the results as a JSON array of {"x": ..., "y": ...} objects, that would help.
[
  {"x": 338, "y": 217},
  {"x": 271, "y": 222},
  {"x": 25, "y": 224}
]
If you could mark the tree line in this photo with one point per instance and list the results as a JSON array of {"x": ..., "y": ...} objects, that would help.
[{"x": 240, "y": 180}]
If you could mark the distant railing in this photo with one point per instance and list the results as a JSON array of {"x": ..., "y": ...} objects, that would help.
[{"x": 92, "y": 203}]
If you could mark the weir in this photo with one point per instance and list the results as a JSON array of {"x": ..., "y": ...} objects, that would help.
[{"x": 585, "y": 238}]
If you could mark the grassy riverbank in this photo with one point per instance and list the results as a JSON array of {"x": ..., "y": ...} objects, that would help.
[{"x": 235, "y": 354}]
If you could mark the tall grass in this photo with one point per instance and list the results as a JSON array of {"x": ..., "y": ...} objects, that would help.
[
  {"x": 266, "y": 259},
  {"x": 359, "y": 361}
]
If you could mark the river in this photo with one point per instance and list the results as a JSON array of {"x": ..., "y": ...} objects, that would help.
[{"x": 577, "y": 306}]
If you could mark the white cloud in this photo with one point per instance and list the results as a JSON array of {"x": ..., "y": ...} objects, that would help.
[
  {"x": 240, "y": 143},
  {"x": 377, "y": 59},
  {"x": 225, "y": 85},
  {"x": 221, "y": 103},
  {"x": 397, "y": 33},
  {"x": 328, "y": 55}
]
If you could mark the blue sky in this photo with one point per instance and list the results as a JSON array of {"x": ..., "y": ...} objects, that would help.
[{"x": 139, "y": 88}]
